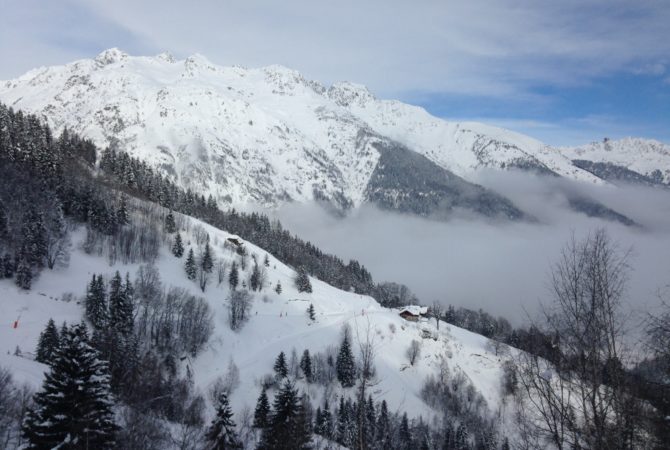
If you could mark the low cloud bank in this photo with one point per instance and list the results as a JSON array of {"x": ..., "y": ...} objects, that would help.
[{"x": 500, "y": 267}]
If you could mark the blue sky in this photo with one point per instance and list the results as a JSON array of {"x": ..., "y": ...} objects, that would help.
[{"x": 565, "y": 72}]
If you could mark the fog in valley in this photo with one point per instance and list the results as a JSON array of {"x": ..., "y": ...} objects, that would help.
[{"x": 501, "y": 267}]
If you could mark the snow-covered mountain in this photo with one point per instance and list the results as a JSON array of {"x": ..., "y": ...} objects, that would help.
[
  {"x": 627, "y": 160},
  {"x": 268, "y": 135}
]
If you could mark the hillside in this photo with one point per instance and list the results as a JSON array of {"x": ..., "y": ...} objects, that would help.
[
  {"x": 175, "y": 331},
  {"x": 277, "y": 322}
]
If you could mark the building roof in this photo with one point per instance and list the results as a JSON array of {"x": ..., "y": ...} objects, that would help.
[{"x": 414, "y": 310}]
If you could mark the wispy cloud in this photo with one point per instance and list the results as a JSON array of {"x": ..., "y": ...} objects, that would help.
[{"x": 518, "y": 51}]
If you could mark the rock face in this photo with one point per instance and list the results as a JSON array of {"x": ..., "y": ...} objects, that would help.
[{"x": 267, "y": 136}]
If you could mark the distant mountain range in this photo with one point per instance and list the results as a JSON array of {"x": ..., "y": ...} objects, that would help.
[{"x": 268, "y": 136}]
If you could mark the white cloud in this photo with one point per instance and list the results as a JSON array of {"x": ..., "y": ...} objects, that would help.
[
  {"x": 483, "y": 47},
  {"x": 500, "y": 267}
]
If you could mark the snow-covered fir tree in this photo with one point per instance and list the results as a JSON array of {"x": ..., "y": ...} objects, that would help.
[
  {"x": 345, "y": 365},
  {"x": 404, "y": 434},
  {"x": 222, "y": 433},
  {"x": 74, "y": 408},
  {"x": 324, "y": 420},
  {"x": 280, "y": 367},
  {"x": 383, "y": 426},
  {"x": 288, "y": 428},
  {"x": 24, "y": 274},
  {"x": 178, "y": 246},
  {"x": 122, "y": 216},
  {"x": 48, "y": 344},
  {"x": 120, "y": 304},
  {"x": 207, "y": 261},
  {"x": 190, "y": 266},
  {"x": 96, "y": 307},
  {"x": 302, "y": 282},
  {"x": 306, "y": 365},
  {"x": 234, "y": 276},
  {"x": 170, "y": 226},
  {"x": 255, "y": 278},
  {"x": 262, "y": 411}
]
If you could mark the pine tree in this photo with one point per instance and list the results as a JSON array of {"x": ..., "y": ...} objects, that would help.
[
  {"x": 324, "y": 422},
  {"x": 306, "y": 365},
  {"x": 120, "y": 305},
  {"x": 345, "y": 365},
  {"x": 74, "y": 409},
  {"x": 4, "y": 229},
  {"x": 404, "y": 434},
  {"x": 383, "y": 425},
  {"x": 449, "y": 442},
  {"x": 280, "y": 368},
  {"x": 96, "y": 303},
  {"x": 318, "y": 421},
  {"x": 370, "y": 421},
  {"x": 190, "y": 267},
  {"x": 7, "y": 266},
  {"x": 505, "y": 444},
  {"x": 262, "y": 411},
  {"x": 255, "y": 279},
  {"x": 63, "y": 331},
  {"x": 34, "y": 239},
  {"x": 345, "y": 431},
  {"x": 302, "y": 282},
  {"x": 170, "y": 226},
  {"x": 462, "y": 438},
  {"x": 24, "y": 275},
  {"x": 178, "y": 246},
  {"x": 48, "y": 344},
  {"x": 278, "y": 288},
  {"x": 122, "y": 217},
  {"x": 234, "y": 277},
  {"x": 288, "y": 428},
  {"x": 311, "y": 313},
  {"x": 266, "y": 261},
  {"x": 207, "y": 262},
  {"x": 221, "y": 434}
]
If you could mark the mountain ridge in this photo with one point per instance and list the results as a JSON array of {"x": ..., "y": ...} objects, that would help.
[{"x": 269, "y": 135}]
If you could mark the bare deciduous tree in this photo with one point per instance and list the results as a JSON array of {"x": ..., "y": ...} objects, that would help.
[
  {"x": 239, "y": 303},
  {"x": 14, "y": 403},
  {"x": 436, "y": 310},
  {"x": 658, "y": 330},
  {"x": 367, "y": 377},
  {"x": 413, "y": 351},
  {"x": 581, "y": 399}
]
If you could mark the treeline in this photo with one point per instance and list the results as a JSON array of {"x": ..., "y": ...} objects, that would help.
[
  {"x": 56, "y": 180},
  {"x": 46, "y": 184},
  {"x": 530, "y": 339}
]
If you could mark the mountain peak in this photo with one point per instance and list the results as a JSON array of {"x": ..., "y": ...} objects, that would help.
[
  {"x": 267, "y": 131},
  {"x": 166, "y": 56},
  {"x": 111, "y": 56},
  {"x": 346, "y": 93}
]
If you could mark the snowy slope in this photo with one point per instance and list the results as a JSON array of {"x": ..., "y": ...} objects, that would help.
[
  {"x": 277, "y": 323},
  {"x": 264, "y": 135},
  {"x": 644, "y": 156}
]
